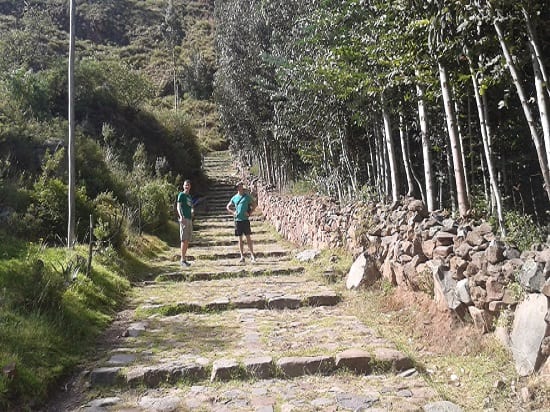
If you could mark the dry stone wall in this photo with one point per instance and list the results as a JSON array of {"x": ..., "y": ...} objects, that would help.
[{"x": 464, "y": 266}]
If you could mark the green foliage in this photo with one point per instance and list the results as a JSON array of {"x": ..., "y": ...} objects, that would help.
[
  {"x": 47, "y": 322},
  {"x": 93, "y": 172},
  {"x": 157, "y": 199},
  {"x": 29, "y": 286},
  {"x": 46, "y": 215},
  {"x": 203, "y": 118},
  {"x": 302, "y": 187},
  {"x": 522, "y": 231},
  {"x": 111, "y": 226},
  {"x": 28, "y": 93}
]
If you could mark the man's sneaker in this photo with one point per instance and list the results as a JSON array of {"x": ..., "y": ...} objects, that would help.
[
  {"x": 241, "y": 260},
  {"x": 252, "y": 258},
  {"x": 185, "y": 263}
]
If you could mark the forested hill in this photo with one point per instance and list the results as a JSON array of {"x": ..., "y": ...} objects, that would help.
[
  {"x": 133, "y": 31},
  {"x": 143, "y": 103}
]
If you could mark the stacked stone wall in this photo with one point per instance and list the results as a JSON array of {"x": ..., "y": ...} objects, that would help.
[{"x": 463, "y": 265}]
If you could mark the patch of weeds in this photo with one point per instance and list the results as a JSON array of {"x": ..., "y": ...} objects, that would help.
[
  {"x": 379, "y": 367},
  {"x": 516, "y": 290},
  {"x": 385, "y": 286},
  {"x": 504, "y": 319},
  {"x": 424, "y": 282},
  {"x": 302, "y": 187},
  {"x": 522, "y": 231},
  {"x": 366, "y": 218},
  {"x": 335, "y": 261}
]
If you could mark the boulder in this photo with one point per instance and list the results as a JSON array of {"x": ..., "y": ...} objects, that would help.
[
  {"x": 528, "y": 331},
  {"x": 363, "y": 272}
]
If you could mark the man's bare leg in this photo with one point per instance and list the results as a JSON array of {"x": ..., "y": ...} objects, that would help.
[
  {"x": 241, "y": 248},
  {"x": 250, "y": 247},
  {"x": 184, "y": 246}
]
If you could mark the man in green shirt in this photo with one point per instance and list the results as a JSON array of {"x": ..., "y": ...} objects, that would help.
[{"x": 185, "y": 216}]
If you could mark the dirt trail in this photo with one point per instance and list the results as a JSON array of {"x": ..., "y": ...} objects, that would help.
[{"x": 255, "y": 336}]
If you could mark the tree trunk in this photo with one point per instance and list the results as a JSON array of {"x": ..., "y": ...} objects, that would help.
[
  {"x": 351, "y": 170},
  {"x": 541, "y": 155},
  {"x": 485, "y": 137},
  {"x": 391, "y": 150},
  {"x": 460, "y": 141},
  {"x": 537, "y": 55},
  {"x": 462, "y": 198},
  {"x": 452, "y": 180},
  {"x": 426, "y": 152},
  {"x": 542, "y": 103},
  {"x": 405, "y": 155}
]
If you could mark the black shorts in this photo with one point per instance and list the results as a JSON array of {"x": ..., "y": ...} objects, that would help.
[{"x": 242, "y": 227}]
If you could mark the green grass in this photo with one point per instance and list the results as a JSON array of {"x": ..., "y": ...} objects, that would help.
[{"x": 51, "y": 311}]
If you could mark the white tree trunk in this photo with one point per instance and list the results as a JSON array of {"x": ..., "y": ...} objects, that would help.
[
  {"x": 405, "y": 155},
  {"x": 460, "y": 142},
  {"x": 426, "y": 152},
  {"x": 485, "y": 137},
  {"x": 536, "y": 49},
  {"x": 542, "y": 102},
  {"x": 458, "y": 167},
  {"x": 391, "y": 151},
  {"x": 541, "y": 155}
]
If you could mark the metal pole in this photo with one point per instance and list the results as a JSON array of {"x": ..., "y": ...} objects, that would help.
[{"x": 71, "y": 154}]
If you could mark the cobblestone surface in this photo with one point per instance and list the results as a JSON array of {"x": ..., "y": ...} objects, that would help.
[{"x": 186, "y": 346}]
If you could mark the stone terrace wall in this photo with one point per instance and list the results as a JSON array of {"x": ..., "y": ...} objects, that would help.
[{"x": 465, "y": 266}]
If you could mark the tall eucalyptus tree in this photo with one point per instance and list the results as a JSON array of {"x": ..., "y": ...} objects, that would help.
[
  {"x": 442, "y": 43},
  {"x": 498, "y": 16},
  {"x": 173, "y": 33},
  {"x": 242, "y": 80}
]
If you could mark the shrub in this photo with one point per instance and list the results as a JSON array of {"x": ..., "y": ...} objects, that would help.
[
  {"x": 111, "y": 227},
  {"x": 522, "y": 231},
  {"x": 156, "y": 198}
]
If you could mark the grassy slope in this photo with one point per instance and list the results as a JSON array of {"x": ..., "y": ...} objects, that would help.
[{"x": 48, "y": 323}]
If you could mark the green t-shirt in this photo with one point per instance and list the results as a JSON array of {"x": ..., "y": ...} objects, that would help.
[
  {"x": 186, "y": 204},
  {"x": 241, "y": 205}
]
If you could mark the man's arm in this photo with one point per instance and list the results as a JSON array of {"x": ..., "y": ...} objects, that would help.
[
  {"x": 229, "y": 207},
  {"x": 180, "y": 212}
]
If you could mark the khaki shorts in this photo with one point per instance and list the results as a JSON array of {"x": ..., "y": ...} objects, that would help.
[{"x": 186, "y": 229}]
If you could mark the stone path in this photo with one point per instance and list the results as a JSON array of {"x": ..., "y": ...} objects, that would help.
[{"x": 228, "y": 336}]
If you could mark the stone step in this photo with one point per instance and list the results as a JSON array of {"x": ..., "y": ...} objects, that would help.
[
  {"x": 227, "y": 230},
  {"x": 245, "y": 302},
  {"x": 229, "y": 242},
  {"x": 224, "y": 218},
  {"x": 220, "y": 253},
  {"x": 318, "y": 340},
  {"x": 197, "y": 370},
  {"x": 285, "y": 291},
  {"x": 200, "y": 224},
  {"x": 236, "y": 272},
  {"x": 338, "y": 392}
]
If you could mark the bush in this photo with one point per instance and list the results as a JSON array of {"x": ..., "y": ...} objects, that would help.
[
  {"x": 522, "y": 231},
  {"x": 112, "y": 226},
  {"x": 157, "y": 198}
]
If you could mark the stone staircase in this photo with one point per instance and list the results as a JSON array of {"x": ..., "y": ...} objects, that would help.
[{"x": 228, "y": 336}]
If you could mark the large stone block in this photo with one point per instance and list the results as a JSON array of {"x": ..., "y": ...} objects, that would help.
[{"x": 528, "y": 331}]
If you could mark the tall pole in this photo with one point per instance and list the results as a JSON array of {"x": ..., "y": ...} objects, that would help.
[{"x": 71, "y": 222}]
